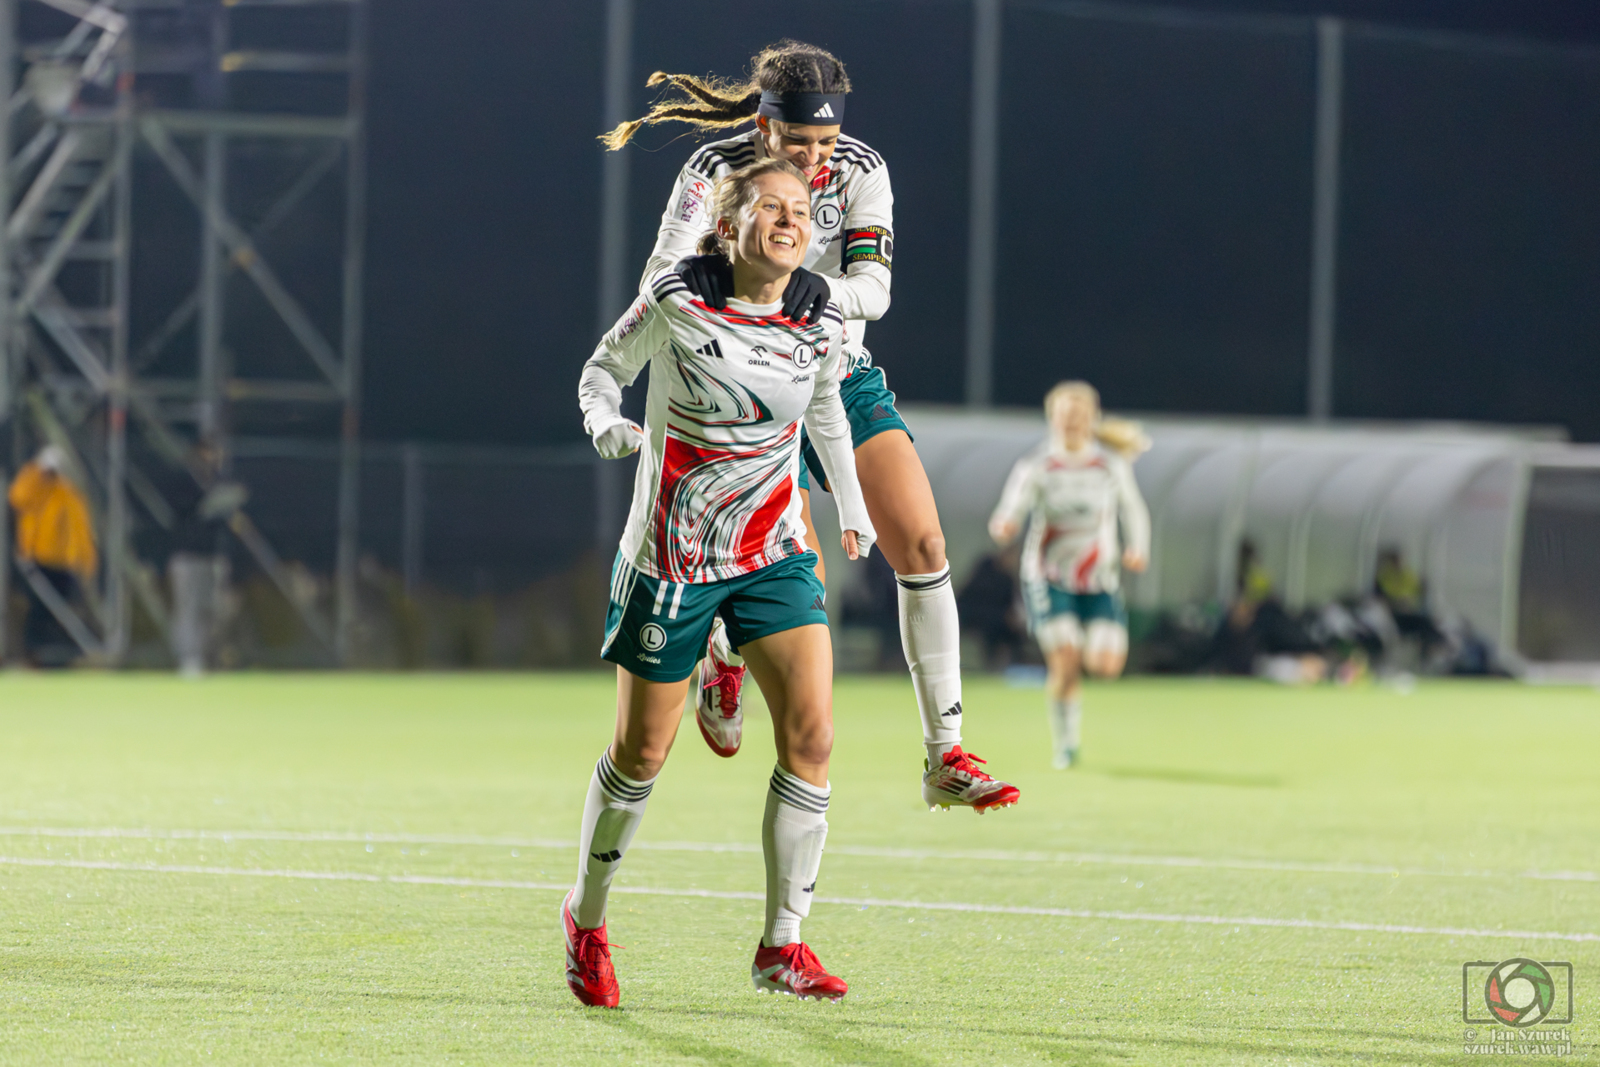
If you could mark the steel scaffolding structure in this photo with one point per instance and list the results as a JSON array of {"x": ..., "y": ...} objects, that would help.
[{"x": 104, "y": 88}]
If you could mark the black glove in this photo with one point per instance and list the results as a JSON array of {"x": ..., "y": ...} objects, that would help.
[
  {"x": 805, "y": 296},
  {"x": 708, "y": 277}
]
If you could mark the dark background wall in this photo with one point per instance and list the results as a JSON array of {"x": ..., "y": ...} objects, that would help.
[{"x": 1155, "y": 201}]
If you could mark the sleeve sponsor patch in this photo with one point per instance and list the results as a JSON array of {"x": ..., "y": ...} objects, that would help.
[
  {"x": 633, "y": 318},
  {"x": 694, "y": 195},
  {"x": 869, "y": 243}
]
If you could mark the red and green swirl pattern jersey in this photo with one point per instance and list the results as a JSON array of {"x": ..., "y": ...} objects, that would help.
[{"x": 717, "y": 489}]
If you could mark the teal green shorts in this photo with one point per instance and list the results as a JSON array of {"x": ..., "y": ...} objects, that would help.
[
  {"x": 870, "y": 408},
  {"x": 1046, "y": 601},
  {"x": 657, "y": 629}
]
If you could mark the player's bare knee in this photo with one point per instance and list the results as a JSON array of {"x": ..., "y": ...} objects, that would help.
[
  {"x": 1102, "y": 666},
  {"x": 1106, "y": 650},
  {"x": 925, "y": 554},
  {"x": 640, "y": 760},
  {"x": 811, "y": 742}
]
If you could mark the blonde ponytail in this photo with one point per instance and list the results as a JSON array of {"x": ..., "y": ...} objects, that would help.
[{"x": 1123, "y": 436}]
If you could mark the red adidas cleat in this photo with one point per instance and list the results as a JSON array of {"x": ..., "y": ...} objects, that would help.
[
  {"x": 795, "y": 969},
  {"x": 589, "y": 970},
  {"x": 958, "y": 781},
  {"x": 717, "y": 704}
]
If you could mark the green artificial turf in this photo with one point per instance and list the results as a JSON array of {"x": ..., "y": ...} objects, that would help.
[{"x": 1364, "y": 806}]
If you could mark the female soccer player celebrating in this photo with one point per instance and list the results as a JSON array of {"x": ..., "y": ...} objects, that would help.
[
  {"x": 715, "y": 530},
  {"x": 796, "y": 98},
  {"x": 1074, "y": 491}
]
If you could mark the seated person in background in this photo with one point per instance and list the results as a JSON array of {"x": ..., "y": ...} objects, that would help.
[
  {"x": 1400, "y": 589},
  {"x": 1257, "y": 636},
  {"x": 874, "y": 604},
  {"x": 988, "y": 607}
]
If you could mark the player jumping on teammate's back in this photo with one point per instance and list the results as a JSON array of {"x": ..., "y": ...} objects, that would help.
[
  {"x": 1074, "y": 490},
  {"x": 795, "y": 96},
  {"x": 715, "y": 532}
]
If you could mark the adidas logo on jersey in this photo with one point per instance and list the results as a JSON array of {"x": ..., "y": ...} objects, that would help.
[{"x": 824, "y": 112}]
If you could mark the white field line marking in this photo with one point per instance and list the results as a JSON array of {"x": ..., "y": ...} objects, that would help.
[
  {"x": 983, "y": 855},
  {"x": 914, "y": 905}
]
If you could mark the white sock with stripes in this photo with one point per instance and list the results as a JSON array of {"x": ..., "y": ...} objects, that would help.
[
  {"x": 930, "y": 634},
  {"x": 792, "y": 832},
  {"x": 611, "y": 815},
  {"x": 1066, "y": 717},
  {"x": 1070, "y": 736}
]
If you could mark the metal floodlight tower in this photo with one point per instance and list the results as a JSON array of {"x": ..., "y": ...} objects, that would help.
[{"x": 101, "y": 82}]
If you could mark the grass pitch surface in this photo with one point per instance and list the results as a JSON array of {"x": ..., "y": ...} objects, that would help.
[{"x": 1237, "y": 874}]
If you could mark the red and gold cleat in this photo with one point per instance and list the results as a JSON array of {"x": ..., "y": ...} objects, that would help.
[
  {"x": 795, "y": 969},
  {"x": 589, "y": 970},
  {"x": 959, "y": 782}
]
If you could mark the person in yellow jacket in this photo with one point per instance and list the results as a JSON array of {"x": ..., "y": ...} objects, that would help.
[{"x": 53, "y": 533}]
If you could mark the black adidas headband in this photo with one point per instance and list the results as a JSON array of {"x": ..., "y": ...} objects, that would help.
[{"x": 803, "y": 109}]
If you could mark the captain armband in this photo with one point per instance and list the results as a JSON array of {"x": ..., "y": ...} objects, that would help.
[{"x": 869, "y": 244}]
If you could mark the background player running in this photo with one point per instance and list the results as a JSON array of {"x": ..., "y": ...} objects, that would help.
[
  {"x": 1071, "y": 494},
  {"x": 796, "y": 98},
  {"x": 715, "y": 531}
]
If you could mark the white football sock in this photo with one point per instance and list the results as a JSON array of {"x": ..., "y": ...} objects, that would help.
[
  {"x": 792, "y": 832},
  {"x": 720, "y": 647},
  {"x": 930, "y": 635},
  {"x": 1065, "y": 717},
  {"x": 611, "y": 815}
]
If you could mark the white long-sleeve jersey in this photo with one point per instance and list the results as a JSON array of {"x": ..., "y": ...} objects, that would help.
[
  {"x": 1075, "y": 500},
  {"x": 717, "y": 491},
  {"x": 852, "y": 226}
]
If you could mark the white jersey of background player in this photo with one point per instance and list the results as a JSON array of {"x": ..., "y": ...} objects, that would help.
[
  {"x": 1075, "y": 501},
  {"x": 1074, "y": 494},
  {"x": 795, "y": 96}
]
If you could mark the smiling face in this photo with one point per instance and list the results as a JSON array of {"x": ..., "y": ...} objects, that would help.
[
  {"x": 807, "y": 147},
  {"x": 774, "y": 230}
]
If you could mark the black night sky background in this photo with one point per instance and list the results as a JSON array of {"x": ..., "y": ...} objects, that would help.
[{"x": 1155, "y": 204}]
